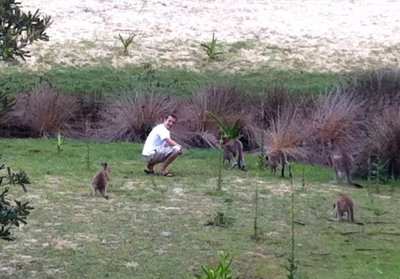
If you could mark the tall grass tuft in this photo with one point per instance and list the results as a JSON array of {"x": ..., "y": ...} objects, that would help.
[
  {"x": 223, "y": 269},
  {"x": 134, "y": 118},
  {"x": 337, "y": 117},
  {"x": 383, "y": 145},
  {"x": 212, "y": 48},
  {"x": 6, "y": 103},
  {"x": 60, "y": 142},
  {"x": 287, "y": 133},
  {"x": 126, "y": 42}
]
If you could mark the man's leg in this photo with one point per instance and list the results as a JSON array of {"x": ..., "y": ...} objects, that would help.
[
  {"x": 150, "y": 163},
  {"x": 176, "y": 151},
  {"x": 150, "y": 167}
]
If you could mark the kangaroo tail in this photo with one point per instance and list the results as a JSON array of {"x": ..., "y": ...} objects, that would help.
[
  {"x": 356, "y": 185},
  {"x": 351, "y": 214}
]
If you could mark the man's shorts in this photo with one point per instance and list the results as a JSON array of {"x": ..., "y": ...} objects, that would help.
[{"x": 161, "y": 155}]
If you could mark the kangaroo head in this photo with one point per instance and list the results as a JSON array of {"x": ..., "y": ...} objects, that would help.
[{"x": 106, "y": 167}]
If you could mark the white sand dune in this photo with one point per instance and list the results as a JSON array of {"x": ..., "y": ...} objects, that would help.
[{"x": 324, "y": 35}]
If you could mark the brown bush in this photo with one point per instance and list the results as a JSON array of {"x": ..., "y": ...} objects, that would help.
[
  {"x": 44, "y": 112},
  {"x": 379, "y": 89},
  {"x": 288, "y": 133},
  {"x": 133, "y": 119},
  {"x": 337, "y": 117},
  {"x": 383, "y": 145},
  {"x": 197, "y": 128},
  {"x": 272, "y": 103}
]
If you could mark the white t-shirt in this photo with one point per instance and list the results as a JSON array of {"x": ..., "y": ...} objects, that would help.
[{"x": 155, "y": 140}]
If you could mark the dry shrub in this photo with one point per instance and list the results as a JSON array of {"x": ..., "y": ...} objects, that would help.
[
  {"x": 378, "y": 89},
  {"x": 288, "y": 133},
  {"x": 384, "y": 142},
  {"x": 349, "y": 116},
  {"x": 91, "y": 117},
  {"x": 134, "y": 118},
  {"x": 44, "y": 112},
  {"x": 338, "y": 117},
  {"x": 197, "y": 128},
  {"x": 272, "y": 103}
]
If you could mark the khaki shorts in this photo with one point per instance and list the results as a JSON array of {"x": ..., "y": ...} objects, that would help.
[{"x": 160, "y": 156}]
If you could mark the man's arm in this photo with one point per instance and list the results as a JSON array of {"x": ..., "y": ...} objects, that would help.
[{"x": 170, "y": 142}]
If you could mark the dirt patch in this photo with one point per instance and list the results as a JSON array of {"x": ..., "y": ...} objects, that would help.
[{"x": 303, "y": 34}]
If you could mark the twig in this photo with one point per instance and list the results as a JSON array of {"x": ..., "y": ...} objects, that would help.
[
  {"x": 350, "y": 232},
  {"x": 379, "y": 222},
  {"x": 387, "y": 233},
  {"x": 320, "y": 253},
  {"x": 369, "y": 249}
]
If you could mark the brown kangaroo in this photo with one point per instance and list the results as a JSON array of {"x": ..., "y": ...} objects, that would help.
[
  {"x": 233, "y": 153},
  {"x": 100, "y": 180},
  {"x": 275, "y": 159},
  {"x": 344, "y": 206}
]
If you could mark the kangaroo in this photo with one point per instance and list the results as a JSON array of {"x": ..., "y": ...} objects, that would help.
[
  {"x": 275, "y": 159},
  {"x": 100, "y": 180},
  {"x": 344, "y": 205},
  {"x": 233, "y": 153},
  {"x": 341, "y": 163}
]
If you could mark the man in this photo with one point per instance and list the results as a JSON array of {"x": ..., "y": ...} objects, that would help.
[{"x": 160, "y": 148}]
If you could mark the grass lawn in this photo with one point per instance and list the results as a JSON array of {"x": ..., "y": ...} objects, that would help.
[
  {"x": 156, "y": 227},
  {"x": 107, "y": 82}
]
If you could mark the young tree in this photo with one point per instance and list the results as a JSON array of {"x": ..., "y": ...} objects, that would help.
[
  {"x": 19, "y": 29},
  {"x": 12, "y": 213}
]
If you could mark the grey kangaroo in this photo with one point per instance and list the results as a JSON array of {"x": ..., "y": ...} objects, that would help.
[
  {"x": 100, "y": 180},
  {"x": 275, "y": 159},
  {"x": 342, "y": 163},
  {"x": 233, "y": 153}
]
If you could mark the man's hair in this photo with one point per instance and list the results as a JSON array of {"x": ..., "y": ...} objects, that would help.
[{"x": 172, "y": 115}]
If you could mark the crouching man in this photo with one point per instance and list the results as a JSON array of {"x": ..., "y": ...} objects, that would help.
[{"x": 160, "y": 148}]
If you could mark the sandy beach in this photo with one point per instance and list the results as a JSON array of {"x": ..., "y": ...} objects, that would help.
[{"x": 313, "y": 35}]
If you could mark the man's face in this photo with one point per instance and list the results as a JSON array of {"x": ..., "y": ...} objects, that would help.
[{"x": 170, "y": 122}]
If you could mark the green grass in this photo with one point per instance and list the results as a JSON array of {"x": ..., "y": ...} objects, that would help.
[
  {"x": 111, "y": 82},
  {"x": 154, "y": 227}
]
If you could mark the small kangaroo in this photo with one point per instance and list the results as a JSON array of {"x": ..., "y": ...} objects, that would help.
[
  {"x": 341, "y": 163},
  {"x": 275, "y": 159},
  {"x": 233, "y": 153},
  {"x": 344, "y": 206},
  {"x": 100, "y": 180}
]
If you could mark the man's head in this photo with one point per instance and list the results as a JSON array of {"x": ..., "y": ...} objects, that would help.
[{"x": 170, "y": 121}]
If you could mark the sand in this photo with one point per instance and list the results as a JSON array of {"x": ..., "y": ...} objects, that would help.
[{"x": 311, "y": 35}]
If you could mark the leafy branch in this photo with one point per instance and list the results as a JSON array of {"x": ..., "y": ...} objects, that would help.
[
  {"x": 19, "y": 29},
  {"x": 228, "y": 130},
  {"x": 12, "y": 214}
]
